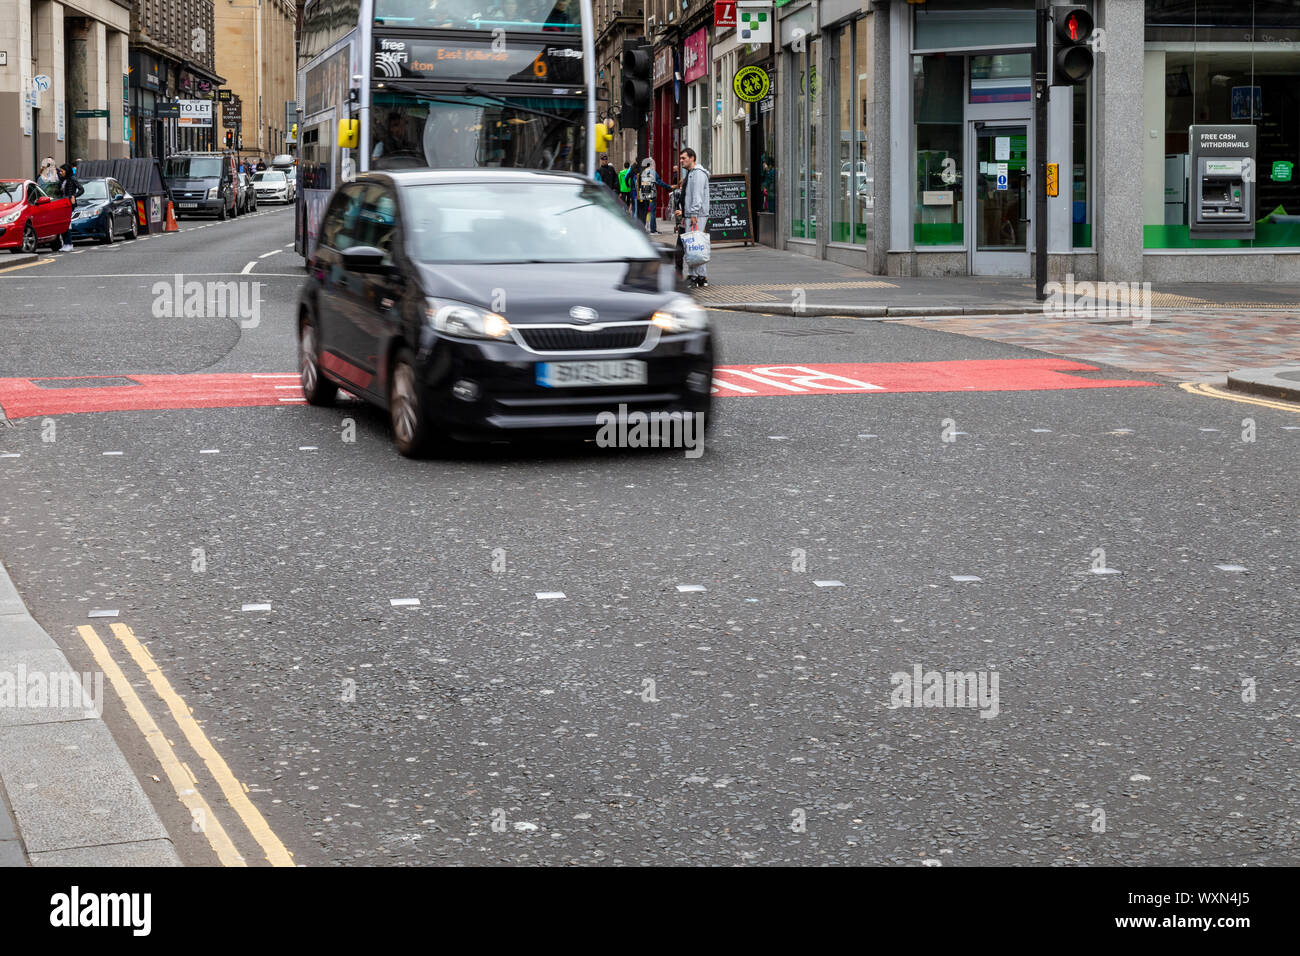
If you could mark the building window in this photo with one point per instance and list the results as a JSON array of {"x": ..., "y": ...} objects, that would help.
[
  {"x": 853, "y": 200},
  {"x": 938, "y": 83},
  {"x": 1222, "y": 63},
  {"x": 804, "y": 142}
]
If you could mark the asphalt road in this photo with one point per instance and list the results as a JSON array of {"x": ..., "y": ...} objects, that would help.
[{"x": 371, "y": 733}]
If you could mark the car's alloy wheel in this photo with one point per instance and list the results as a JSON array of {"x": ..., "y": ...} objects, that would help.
[
  {"x": 412, "y": 433},
  {"x": 107, "y": 237},
  {"x": 134, "y": 230},
  {"x": 29, "y": 237},
  {"x": 317, "y": 390}
]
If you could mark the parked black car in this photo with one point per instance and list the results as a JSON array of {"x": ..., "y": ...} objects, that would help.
[
  {"x": 203, "y": 183},
  {"x": 477, "y": 304},
  {"x": 104, "y": 211}
]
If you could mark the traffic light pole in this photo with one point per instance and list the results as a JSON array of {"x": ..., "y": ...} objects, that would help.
[{"x": 1042, "y": 95}]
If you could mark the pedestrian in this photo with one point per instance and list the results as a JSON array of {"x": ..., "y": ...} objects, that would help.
[
  {"x": 261, "y": 165},
  {"x": 48, "y": 179},
  {"x": 608, "y": 174},
  {"x": 69, "y": 188},
  {"x": 695, "y": 208},
  {"x": 624, "y": 190},
  {"x": 650, "y": 185}
]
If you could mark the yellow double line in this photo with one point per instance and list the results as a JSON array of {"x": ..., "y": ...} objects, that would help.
[
  {"x": 182, "y": 779},
  {"x": 1210, "y": 391}
]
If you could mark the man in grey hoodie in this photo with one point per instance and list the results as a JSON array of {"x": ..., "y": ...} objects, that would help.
[{"x": 695, "y": 207}]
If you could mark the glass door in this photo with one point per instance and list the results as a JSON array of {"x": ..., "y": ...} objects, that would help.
[{"x": 1001, "y": 200}]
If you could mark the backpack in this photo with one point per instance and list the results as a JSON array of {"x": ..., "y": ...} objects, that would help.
[{"x": 622, "y": 180}]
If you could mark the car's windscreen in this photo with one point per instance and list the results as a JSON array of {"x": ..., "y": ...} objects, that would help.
[
  {"x": 521, "y": 222},
  {"x": 193, "y": 167},
  {"x": 268, "y": 178},
  {"x": 95, "y": 189},
  {"x": 11, "y": 192}
]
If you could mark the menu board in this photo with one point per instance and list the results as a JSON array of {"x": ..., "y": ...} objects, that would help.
[{"x": 730, "y": 216}]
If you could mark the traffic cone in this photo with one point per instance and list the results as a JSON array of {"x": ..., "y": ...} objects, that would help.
[{"x": 172, "y": 225}]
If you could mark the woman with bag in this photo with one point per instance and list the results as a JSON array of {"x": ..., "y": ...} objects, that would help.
[
  {"x": 69, "y": 188},
  {"x": 695, "y": 210}
]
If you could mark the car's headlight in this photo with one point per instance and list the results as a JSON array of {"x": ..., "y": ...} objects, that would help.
[
  {"x": 681, "y": 315},
  {"x": 465, "y": 321},
  {"x": 10, "y": 217},
  {"x": 212, "y": 193}
]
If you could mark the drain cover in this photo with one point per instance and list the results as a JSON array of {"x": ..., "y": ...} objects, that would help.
[{"x": 86, "y": 382}]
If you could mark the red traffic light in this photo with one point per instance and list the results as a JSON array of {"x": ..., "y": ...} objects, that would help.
[{"x": 1073, "y": 24}]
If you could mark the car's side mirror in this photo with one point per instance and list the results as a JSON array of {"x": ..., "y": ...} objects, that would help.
[
  {"x": 364, "y": 259},
  {"x": 42, "y": 200}
]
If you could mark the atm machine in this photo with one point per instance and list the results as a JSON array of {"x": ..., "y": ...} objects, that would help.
[{"x": 1221, "y": 190}]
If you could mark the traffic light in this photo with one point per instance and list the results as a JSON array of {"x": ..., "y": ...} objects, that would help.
[
  {"x": 638, "y": 65},
  {"x": 603, "y": 137},
  {"x": 1072, "y": 48},
  {"x": 230, "y": 139}
]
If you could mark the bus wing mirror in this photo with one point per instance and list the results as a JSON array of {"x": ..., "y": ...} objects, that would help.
[{"x": 349, "y": 133}]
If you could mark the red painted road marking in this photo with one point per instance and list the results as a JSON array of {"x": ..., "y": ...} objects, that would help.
[
  {"x": 972, "y": 375},
  {"x": 24, "y": 397}
]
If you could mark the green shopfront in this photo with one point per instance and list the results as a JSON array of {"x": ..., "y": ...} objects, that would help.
[{"x": 906, "y": 134}]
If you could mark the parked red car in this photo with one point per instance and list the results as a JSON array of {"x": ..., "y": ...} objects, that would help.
[{"x": 29, "y": 218}]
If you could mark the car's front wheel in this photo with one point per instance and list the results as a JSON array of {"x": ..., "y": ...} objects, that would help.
[
  {"x": 413, "y": 434},
  {"x": 317, "y": 389},
  {"x": 29, "y": 237},
  {"x": 107, "y": 237}
]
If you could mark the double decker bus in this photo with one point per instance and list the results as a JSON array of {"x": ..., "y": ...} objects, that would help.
[{"x": 396, "y": 84}]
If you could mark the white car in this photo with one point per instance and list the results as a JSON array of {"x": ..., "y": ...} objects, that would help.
[{"x": 271, "y": 185}]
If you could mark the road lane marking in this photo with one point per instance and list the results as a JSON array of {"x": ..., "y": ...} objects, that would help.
[
  {"x": 178, "y": 774},
  {"x": 404, "y": 602},
  {"x": 235, "y": 792},
  {"x": 266, "y": 255},
  {"x": 549, "y": 595},
  {"x": 248, "y": 268},
  {"x": 1209, "y": 391},
  {"x": 26, "y": 265},
  {"x": 103, "y": 613},
  {"x": 255, "y": 607}
]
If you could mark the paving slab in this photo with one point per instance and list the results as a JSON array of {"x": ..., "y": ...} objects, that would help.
[
  {"x": 1281, "y": 381},
  {"x": 70, "y": 786},
  {"x": 144, "y": 853}
]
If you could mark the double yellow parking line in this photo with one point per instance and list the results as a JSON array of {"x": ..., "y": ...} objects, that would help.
[{"x": 182, "y": 779}]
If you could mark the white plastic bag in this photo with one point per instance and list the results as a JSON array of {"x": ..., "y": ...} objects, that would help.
[{"x": 696, "y": 248}]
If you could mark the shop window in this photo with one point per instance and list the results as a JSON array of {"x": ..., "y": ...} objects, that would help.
[
  {"x": 1081, "y": 165},
  {"x": 854, "y": 200},
  {"x": 937, "y": 85},
  {"x": 955, "y": 25},
  {"x": 1224, "y": 64},
  {"x": 806, "y": 120}
]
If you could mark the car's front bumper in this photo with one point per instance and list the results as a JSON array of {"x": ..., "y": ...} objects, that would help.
[
  {"x": 509, "y": 400},
  {"x": 269, "y": 196},
  {"x": 189, "y": 207},
  {"x": 91, "y": 226}
]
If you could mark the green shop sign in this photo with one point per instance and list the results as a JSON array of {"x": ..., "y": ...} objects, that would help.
[{"x": 1282, "y": 171}]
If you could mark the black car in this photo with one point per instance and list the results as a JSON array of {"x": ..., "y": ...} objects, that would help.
[
  {"x": 484, "y": 303},
  {"x": 202, "y": 183},
  {"x": 104, "y": 211}
]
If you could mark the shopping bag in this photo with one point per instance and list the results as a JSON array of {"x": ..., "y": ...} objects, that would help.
[{"x": 695, "y": 248}]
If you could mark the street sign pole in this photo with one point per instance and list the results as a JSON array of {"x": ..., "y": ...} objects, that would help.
[{"x": 1042, "y": 95}]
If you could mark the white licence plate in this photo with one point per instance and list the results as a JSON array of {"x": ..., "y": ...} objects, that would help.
[
  {"x": 576, "y": 374},
  {"x": 188, "y": 205}
]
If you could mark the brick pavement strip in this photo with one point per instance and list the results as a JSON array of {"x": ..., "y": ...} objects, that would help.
[{"x": 1179, "y": 345}]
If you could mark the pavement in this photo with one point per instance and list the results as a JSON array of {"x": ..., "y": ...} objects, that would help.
[
  {"x": 1240, "y": 335},
  {"x": 67, "y": 795},
  {"x": 344, "y": 657}
]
